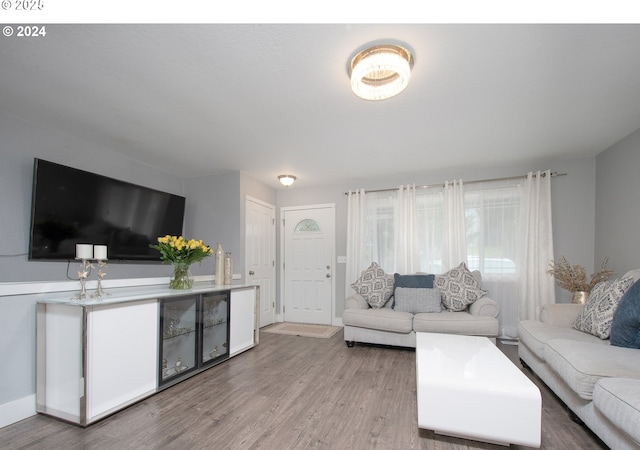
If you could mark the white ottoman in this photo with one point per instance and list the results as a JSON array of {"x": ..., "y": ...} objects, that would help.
[{"x": 468, "y": 388}]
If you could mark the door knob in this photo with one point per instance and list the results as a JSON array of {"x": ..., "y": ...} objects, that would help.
[
  {"x": 251, "y": 272},
  {"x": 328, "y": 275}
]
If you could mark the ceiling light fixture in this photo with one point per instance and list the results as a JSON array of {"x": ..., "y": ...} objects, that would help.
[
  {"x": 380, "y": 72},
  {"x": 286, "y": 180}
]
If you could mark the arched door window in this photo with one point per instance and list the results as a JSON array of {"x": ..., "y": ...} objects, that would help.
[{"x": 307, "y": 226}]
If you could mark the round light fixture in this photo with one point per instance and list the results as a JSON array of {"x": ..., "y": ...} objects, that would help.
[
  {"x": 381, "y": 71},
  {"x": 286, "y": 180}
]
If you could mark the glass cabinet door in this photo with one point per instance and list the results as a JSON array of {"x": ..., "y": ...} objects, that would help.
[
  {"x": 178, "y": 325},
  {"x": 215, "y": 327}
]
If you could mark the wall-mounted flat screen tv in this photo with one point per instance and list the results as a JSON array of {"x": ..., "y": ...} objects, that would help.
[{"x": 72, "y": 206}]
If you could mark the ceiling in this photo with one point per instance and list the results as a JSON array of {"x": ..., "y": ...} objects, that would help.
[{"x": 195, "y": 100}]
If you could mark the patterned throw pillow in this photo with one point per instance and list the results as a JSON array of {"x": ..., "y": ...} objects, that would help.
[
  {"x": 597, "y": 314},
  {"x": 374, "y": 285},
  {"x": 459, "y": 288},
  {"x": 417, "y": 300}
]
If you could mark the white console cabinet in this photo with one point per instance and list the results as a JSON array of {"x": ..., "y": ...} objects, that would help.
[{"x": 95, "y": 357}]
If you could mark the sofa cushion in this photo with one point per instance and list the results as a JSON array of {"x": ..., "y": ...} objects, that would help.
[
  {"x": 582, "y": 364},
  {"x": 384, "y": 319},
  {"x": 459, "y": 288},
  {"x": 535, "y": 335},
  {"x": 619, "y": 400},
  {"x": 417, "y": 300},
  {"x": 625, "y": 327},
  {"x": 456, "y": 323},
  {"x": 597, "y": 314},
  {"x": 374, "y": 285}
]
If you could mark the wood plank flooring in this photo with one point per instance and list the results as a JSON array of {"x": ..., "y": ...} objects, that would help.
[{"x": 289, "y": 392}]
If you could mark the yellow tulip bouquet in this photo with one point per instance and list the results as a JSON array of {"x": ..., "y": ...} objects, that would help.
[{"x": 181, "y": 253}]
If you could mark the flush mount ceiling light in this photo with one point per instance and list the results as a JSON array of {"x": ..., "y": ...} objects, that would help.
[
  {"x": 381, "y": 71},
  {"x": 286, "y": 180}
]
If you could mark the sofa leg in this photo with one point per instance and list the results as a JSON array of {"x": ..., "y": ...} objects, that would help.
[
  {"x": 350, "y": 343},
  {"x": 524, "y": 364},
  {"x": 575, "y": 418}
]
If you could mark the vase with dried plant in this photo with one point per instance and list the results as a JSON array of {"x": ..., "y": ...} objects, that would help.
[{"x": 574, "y": 277}]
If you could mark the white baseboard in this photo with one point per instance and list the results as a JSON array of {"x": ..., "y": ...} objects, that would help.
[
  {"x": 336, "y": 321},
  {"x": 17, "y": 410}
]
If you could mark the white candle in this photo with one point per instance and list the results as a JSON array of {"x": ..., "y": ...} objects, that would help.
[
  {"x": 100, "y": 252},
  {"x": 84, "y": 251}
]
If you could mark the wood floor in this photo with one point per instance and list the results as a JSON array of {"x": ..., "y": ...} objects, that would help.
[{"x": 289, "y": 392}]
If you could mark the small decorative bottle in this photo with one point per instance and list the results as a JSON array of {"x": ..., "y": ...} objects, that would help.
[
  {"x": 219, "y": 273},
  {"x": 228, "y": 268}
]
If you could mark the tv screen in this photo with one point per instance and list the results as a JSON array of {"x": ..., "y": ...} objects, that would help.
[{"x": 72, "y": 206}]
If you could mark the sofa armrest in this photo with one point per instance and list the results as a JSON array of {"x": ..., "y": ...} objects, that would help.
[
  {"x": 356, "y": 301},
  {"x": 560, "y": 314},
  {"x": 484, "y": 306}
]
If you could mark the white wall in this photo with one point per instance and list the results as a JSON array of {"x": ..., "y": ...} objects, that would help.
[{"x": 617, "y": 211}]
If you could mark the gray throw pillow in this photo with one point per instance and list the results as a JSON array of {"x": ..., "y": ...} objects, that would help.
[
  {"x": 417, "y": 300},
  {"x": 422, "y": 280}
]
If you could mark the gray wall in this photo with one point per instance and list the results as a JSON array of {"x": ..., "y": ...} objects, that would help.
[
  {"x": 573, "y": 206},
  {"x": 20, "y": 143},
  {"x": 617, "y": 211},
  {"x": 214, "y": 213}
]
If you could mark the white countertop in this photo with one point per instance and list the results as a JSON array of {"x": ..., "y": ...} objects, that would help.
[{"x": 133, "y": 293}]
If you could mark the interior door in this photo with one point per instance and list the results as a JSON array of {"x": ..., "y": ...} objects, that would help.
[
  {"x": 309, "y": 242},
  {"x": 260, "y": 249}
]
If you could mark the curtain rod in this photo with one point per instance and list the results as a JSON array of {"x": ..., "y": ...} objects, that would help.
[{"x": 426, "y": 186}]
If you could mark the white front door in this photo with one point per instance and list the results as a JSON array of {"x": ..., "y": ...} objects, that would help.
[
  {"x": 309, "y": 242},
  {"x": 260, "y": 249}
]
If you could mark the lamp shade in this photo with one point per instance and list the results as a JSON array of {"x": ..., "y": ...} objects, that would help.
[
  {"x": 380, "y": 72},
  {"x": 286, "y": 180}
]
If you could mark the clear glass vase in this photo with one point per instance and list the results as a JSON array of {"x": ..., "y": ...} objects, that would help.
[{"x": 181, "y": 277}]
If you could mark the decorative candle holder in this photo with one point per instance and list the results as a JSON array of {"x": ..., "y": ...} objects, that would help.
[
  {"x": 101, "y": 273},
  {"x": 83, "y": 273}
]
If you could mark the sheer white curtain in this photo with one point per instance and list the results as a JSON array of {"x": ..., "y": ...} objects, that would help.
[
  {"x": 492, "y": 212},
  {"x": 502, "y": 228},
  {"x": 356, "y": 225},
  {"x": 406, "y": 257},
  {"x": 430, "y": 229},
  {"x": 536, "y": 286},
  {"x": 454, "y": 249}
]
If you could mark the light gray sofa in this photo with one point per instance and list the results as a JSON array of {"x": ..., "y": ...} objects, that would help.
[
  {"x": 599, "y": 382},
  {"x": 387, "y": 326}
]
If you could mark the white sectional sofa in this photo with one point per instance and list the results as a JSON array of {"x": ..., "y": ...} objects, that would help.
[
  {"x": 599, "y": 382},
  {"x": 389, "y": 325}
]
